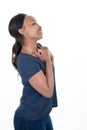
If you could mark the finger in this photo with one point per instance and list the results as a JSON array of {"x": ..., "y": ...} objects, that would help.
[{"x": 38, "y": 53}]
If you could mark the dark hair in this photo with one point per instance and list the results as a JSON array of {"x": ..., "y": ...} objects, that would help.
[{"x": 16, "y": 23}]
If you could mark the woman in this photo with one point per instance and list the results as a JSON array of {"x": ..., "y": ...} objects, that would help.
[{"x": 34, "y": 63}]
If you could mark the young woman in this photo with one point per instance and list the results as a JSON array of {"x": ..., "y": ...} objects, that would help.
[{"x": 34, "y": 63}]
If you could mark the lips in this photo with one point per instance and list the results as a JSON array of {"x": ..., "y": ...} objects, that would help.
[{"x": 40, "y": 32}]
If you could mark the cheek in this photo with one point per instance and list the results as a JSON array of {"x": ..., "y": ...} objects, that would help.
[
  {"x": 29, "y": 33},
  {"x": 32, "y": 33}
]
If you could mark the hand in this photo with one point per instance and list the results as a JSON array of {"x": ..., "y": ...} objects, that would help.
[{"x": 43, "y": 54}]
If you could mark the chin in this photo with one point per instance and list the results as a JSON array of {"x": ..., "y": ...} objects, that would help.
[{"x": 40, "y": 37}]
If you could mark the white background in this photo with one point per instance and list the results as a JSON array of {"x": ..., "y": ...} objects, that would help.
[{"x": 64, "y": 25}]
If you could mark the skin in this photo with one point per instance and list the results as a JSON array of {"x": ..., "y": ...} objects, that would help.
[{"x": 32, "y": 32}]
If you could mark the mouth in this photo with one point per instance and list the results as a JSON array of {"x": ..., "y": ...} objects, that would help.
[{"x": 40, "y": 32}]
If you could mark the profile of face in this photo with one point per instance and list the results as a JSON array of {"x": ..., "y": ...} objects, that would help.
[{"x": 31, "y": 29}]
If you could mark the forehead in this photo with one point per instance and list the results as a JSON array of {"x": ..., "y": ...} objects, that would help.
[{"x": 29, "y": 19}]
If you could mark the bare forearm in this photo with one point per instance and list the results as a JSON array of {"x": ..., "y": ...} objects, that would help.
[
  {"x": 49, "y": 77},
  {"x": 51, "y": 56},
  {"x": 47, "y": 80}
]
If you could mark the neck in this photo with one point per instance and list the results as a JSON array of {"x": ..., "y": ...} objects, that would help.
[{"x": 29, "y": 47}]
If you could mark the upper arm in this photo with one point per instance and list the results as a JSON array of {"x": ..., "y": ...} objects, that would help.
[
  {"x": 30, "y": 70},
  {"x": 39, "y": 83}
]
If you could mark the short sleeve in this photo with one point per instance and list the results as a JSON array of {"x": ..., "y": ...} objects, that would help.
[{"x": 27, "y": 67}]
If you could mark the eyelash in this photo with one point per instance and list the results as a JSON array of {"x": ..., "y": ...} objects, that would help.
[{"x": 34, "y": 24}]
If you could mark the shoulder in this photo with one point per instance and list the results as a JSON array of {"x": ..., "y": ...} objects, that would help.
[
  {"x": 23, "y": 58},
  {"x": 27, "y": 66},
  {"x": 27, "y": 61}
]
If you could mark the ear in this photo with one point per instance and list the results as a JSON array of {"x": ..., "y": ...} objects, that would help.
[{"x": 20, "y": 30}]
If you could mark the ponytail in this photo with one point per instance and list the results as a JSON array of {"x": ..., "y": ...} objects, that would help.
[
  {"x": 14, "y": 25},
  {"x": 15, "y": 52}
]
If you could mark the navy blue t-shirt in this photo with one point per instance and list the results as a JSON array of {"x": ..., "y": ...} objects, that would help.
[{"x": 33, "y": 105}]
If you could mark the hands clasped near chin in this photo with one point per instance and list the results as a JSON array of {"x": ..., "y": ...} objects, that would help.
[{"x": 42, "y": 53}]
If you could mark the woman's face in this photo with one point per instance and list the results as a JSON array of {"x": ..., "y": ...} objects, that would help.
[{"x": 31, "y": 29}]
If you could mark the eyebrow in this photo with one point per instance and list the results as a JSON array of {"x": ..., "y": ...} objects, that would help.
[{"x": 33, "y": 19}]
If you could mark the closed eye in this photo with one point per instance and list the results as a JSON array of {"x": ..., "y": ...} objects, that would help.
[{"x": 34, "y": 23}]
